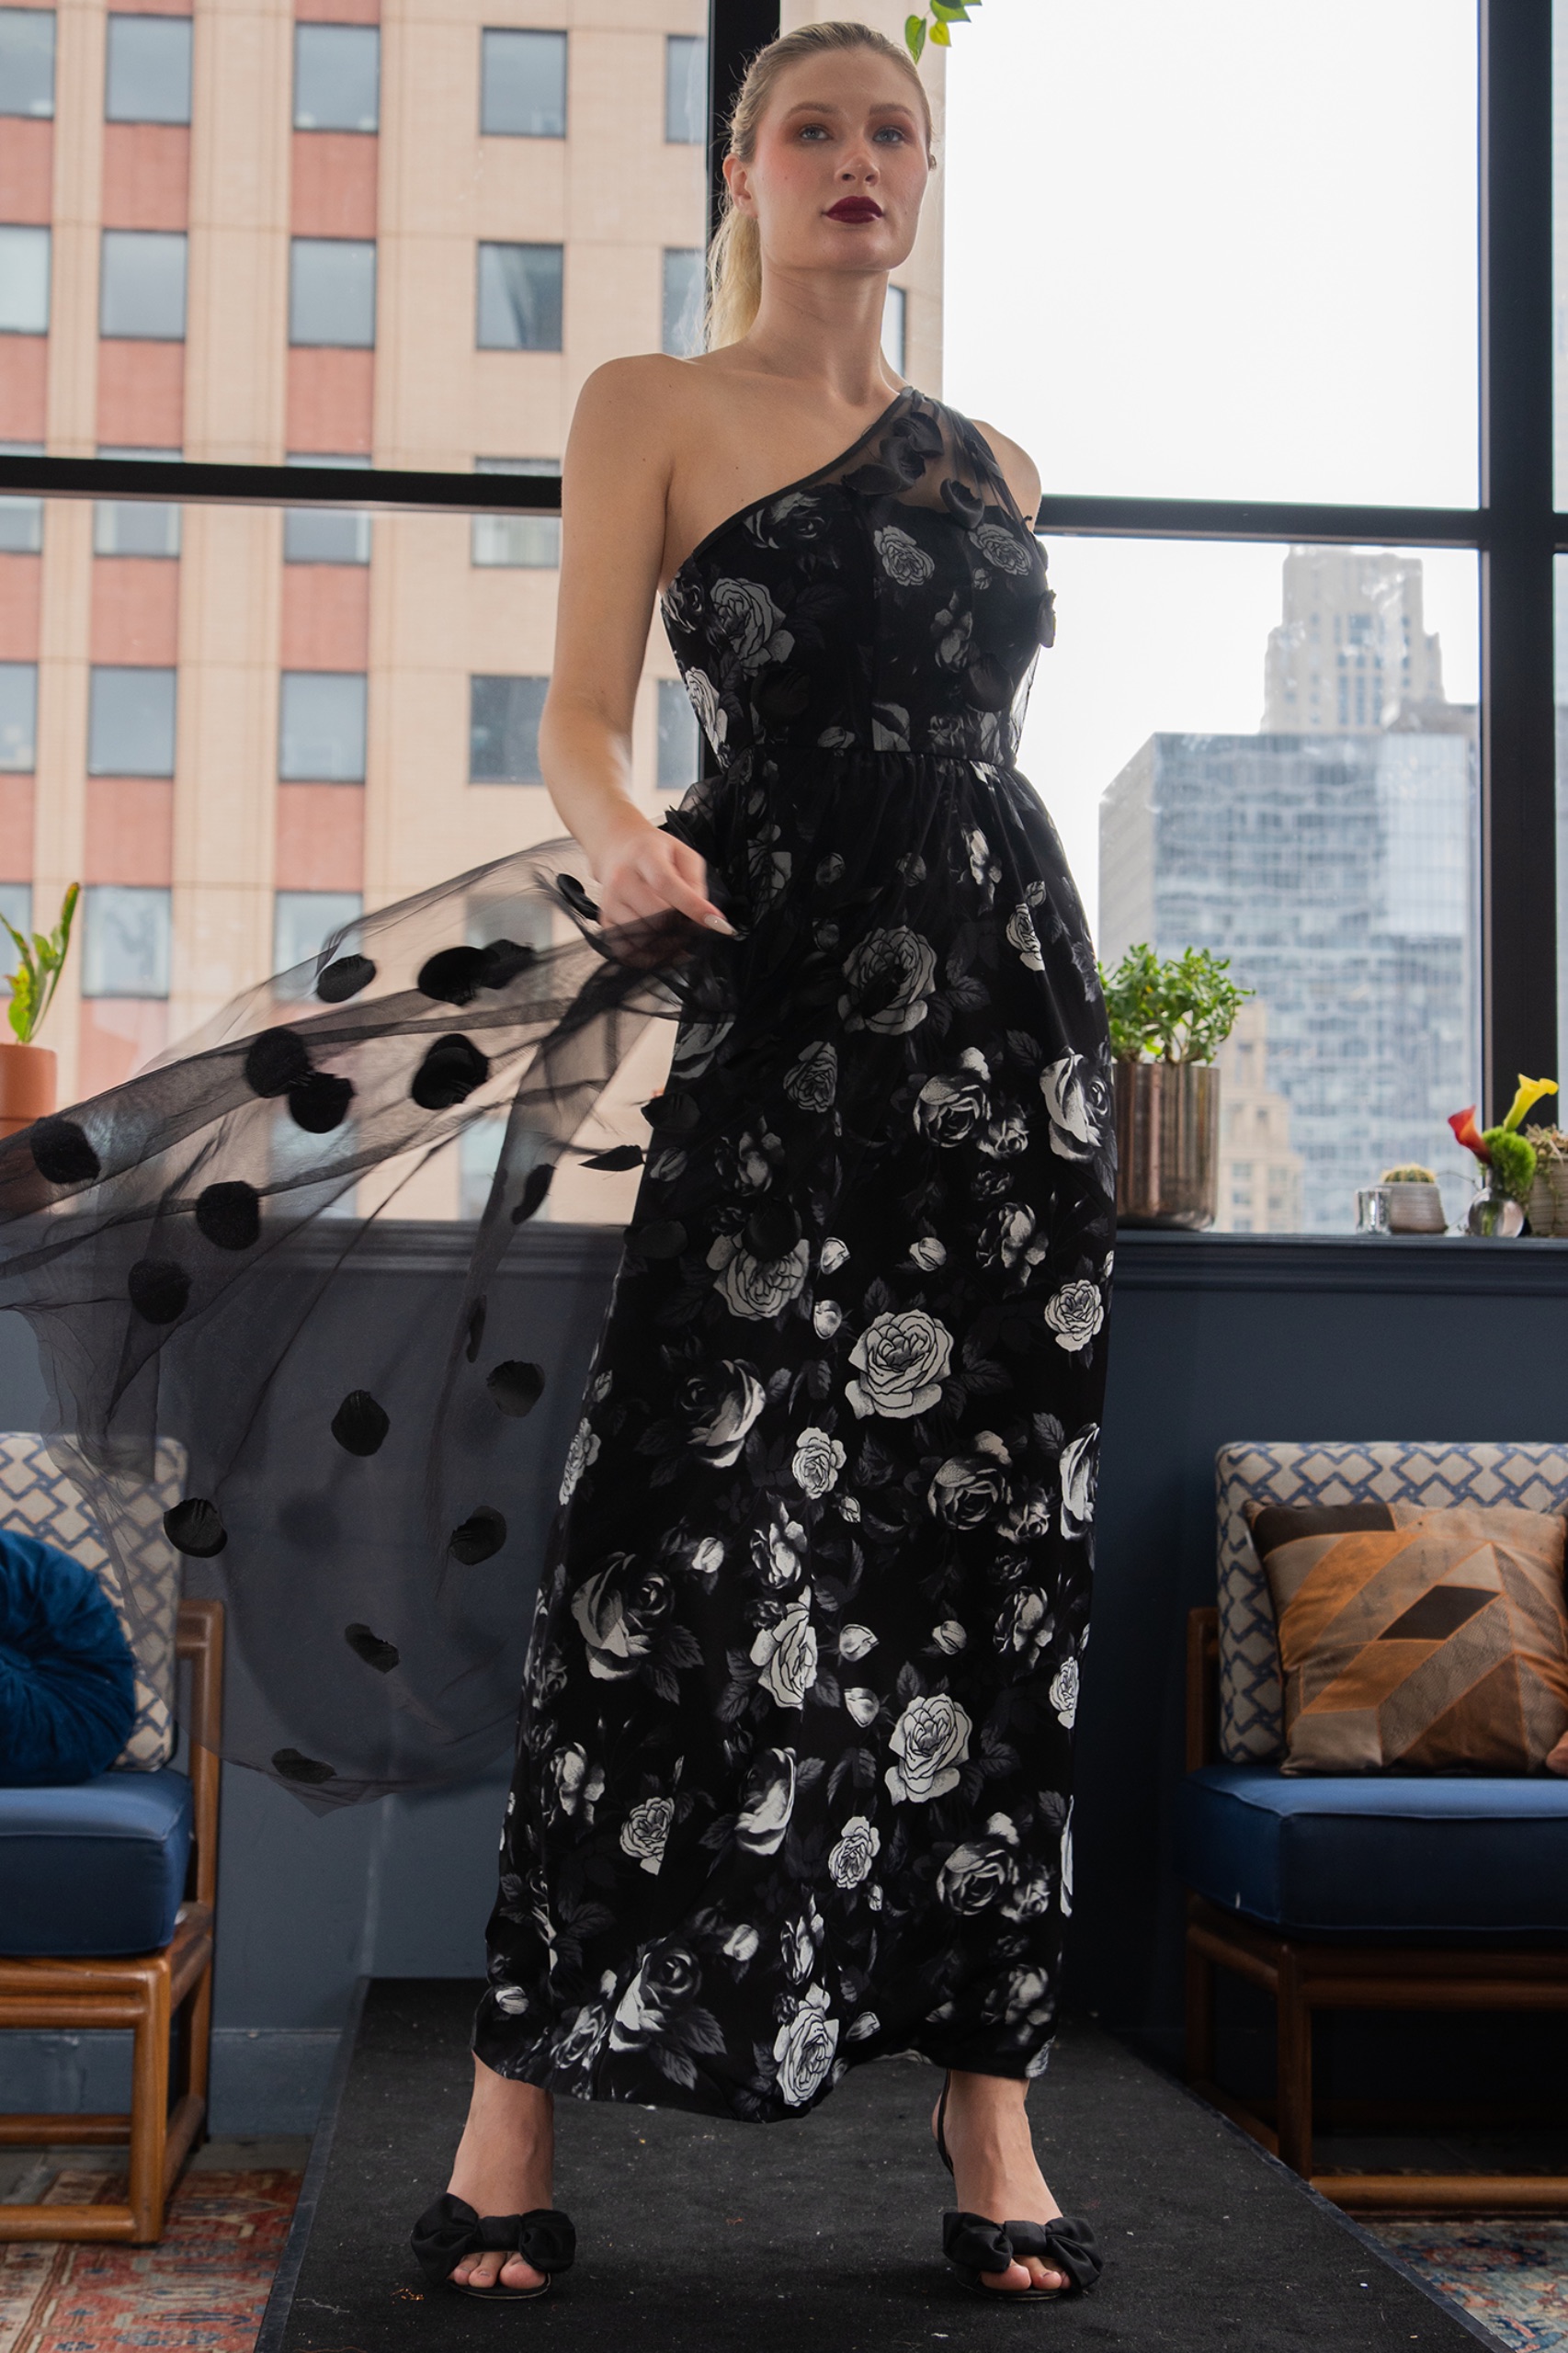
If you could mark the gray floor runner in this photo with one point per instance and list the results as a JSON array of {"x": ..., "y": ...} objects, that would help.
[{"x": 696, "y": 2236}]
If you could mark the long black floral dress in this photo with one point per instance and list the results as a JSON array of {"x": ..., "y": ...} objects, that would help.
[{"x": 794, "y": 1764}]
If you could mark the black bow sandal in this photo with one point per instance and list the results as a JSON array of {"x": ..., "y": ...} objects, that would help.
[
  {"x": 974, "y": 2244},
  {"x": 448, "y": 2229}
]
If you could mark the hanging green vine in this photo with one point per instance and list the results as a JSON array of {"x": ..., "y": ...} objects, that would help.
[{"x": 933, "y": 22}]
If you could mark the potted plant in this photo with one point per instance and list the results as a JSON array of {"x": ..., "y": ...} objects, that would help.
[
  {"x": 28, "y": 1070},
  {"x": 1169, "y": 1020},
  {"x": 1508, "y": 1159},
  {"x": 1547, "y": 1208}
]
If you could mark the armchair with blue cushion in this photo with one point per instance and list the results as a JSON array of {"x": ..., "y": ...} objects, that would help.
[
  {"x": 1358, "y": 1891},
  {"x": 108, "y": 1853}
]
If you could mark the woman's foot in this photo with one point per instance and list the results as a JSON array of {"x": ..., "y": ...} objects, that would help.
[
  {"x": 505, "y": 2165},
  {"x": 995, "y": 2170}
]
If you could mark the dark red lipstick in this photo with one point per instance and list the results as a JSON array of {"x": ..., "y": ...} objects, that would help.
[{"x": 856, "y": 207}]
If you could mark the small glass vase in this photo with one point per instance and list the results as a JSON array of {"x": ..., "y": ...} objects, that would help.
[{"x": 1492, "y": 1211}]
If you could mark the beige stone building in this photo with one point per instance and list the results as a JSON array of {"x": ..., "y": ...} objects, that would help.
[{"x": 395, "y": 233}]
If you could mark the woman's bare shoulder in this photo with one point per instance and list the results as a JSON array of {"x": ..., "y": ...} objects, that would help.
[{"x": 1023, "y": 474}]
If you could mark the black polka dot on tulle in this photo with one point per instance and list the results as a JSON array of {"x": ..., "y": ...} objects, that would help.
[
  {"x": 382, "y": 1657},
  {"x": 345, "y": 979},
  {"x": 619, "y": 1156},
  {"x": 360, "y": 1425},
  {"x": 320, "y": 1103},
  {"x": 965, "y": 506},
  {"x": 662, "y": 1237},
  {"x": 157, "y": 1290},
  {"x": 481, "y": 1534},
  {"x": 194, "y": 1526},
  {"x": 62, "y": 1153},
  {"x": 228, "y": 1216},
  {"x": 448, "y": 1074},
  {"x": 674, "y": 1113},
  {"x": 476, "y": 1315},
  {"x": 295, "y": 1768},
  {"x": 452, "y": 976},
  {"x": 504, "y": 959},
  {"x": 772, "y": 1229},
  {"x": 576, "y": 896},
  {"x": 276, "y": 1060},
  {"x": 516, "y": 1387},
  {"x": 536, "y": 1184}
]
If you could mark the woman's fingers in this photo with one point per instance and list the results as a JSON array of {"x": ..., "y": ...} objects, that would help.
[{"x": 657, "y": 877}]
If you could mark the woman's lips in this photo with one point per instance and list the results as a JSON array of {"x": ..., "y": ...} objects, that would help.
[{"x": 856, "y": 207}]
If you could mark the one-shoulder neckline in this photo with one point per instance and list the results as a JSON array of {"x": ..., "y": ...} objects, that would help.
[{"x": 905, "y": 391}]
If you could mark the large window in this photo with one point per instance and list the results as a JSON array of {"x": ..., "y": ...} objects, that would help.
[
  {"x": 520, "y": 297},
  {"x": 27, "y": 62},
  {"x": 131, "y": 725},
  {"x": 336, "y": 77},
  {"x": 24, "y": 282},
  {"x": 135, "y": 526},
  {"x": 126, "y": 941},
  {"x": 142, "y": 285},
  {"x": 519, "y": 543},
  {"x": 331, "y": 293},
  {"x": 686, "y": 89},
  {"x": 503, "y": 730},
  {"x": 321, "y": 737},
  {"x": 19, "y": 716},
  {"x": 148, "y": 75},
  {"x": 523, "y": 84}
]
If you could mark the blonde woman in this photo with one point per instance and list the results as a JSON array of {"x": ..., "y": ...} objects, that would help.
[{"x": 792, "y": 1779}]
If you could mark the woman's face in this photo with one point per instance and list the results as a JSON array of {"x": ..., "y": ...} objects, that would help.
[{"x": 840, "y": 166}]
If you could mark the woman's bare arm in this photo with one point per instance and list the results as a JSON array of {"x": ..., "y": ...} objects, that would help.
[{"x": 615, "y": 482}]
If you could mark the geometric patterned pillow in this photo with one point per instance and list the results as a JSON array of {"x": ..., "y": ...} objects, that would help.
[
  {"x": 1437, "y": 1473},
  {"x": 1416, "y": 1641},
  {"x": 38, "y": 1499}
]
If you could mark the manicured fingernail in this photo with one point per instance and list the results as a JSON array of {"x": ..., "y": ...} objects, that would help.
[{"x": 719, "y": 922}]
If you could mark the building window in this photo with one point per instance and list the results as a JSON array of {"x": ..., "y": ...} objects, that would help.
[
  {"x": 680, "y": 755},
  {"x": 325, "y": 534},
  {"x": 18, "y": 717},
  {"x": 303, "y": 921},
  {"x": 683, "y": 301},
  {"x": 504, "y": 716},
  {"x": 130, "y": 728},
  {"x": 24, "y": 280},
  {"x": 16, "y": 909},
  {"x": 331, "y": 293},
  {"x": 322, "y": 737},
  {"x": 21, "y": 519},
  {"x": 527, "y": 542},
  {"x": 523, "y": 84},
  {"x": 895, "y": 312},
  {"x": 141, "y": 289},
  {"x": 520, "y": 297},
  {"x": 27, "y": 61},
  {"x": 135, "y": 526},
  {"x": 337, "y": 71},
  {"x": 149, "y": 70},
  {"x": 686, "y": 89},
  {"x": 125, "y": 942}
]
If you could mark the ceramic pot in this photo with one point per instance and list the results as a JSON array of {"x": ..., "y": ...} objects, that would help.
[
  {"x": 1167, "y": 1144},
  {"x": 1547, "y": 1208},
  {"x": 28, "y": 1080}
]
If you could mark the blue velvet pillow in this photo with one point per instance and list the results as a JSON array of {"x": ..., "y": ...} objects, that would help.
[{"x": 67, "y": 1676}]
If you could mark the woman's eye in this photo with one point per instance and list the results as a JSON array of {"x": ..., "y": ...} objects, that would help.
[
  {"x": 890, "y": 130},
  {"x": 813, "y": 130}
]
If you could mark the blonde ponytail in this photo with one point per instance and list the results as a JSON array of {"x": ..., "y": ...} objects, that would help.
[{"x": 734, "y": 258}]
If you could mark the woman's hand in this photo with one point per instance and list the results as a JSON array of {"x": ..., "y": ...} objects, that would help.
[{"x": 645, "y": 872}]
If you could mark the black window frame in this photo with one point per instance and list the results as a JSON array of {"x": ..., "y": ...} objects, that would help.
[{"x": 1514, "y": 529}]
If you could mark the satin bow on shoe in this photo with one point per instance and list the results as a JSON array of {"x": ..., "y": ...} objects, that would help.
[
  {"x": 974, "y": 2244},
  {"x": 450, "y": 2229}
]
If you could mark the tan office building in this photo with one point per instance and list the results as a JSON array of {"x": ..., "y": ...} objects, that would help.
[{"x": 396, "y": 234}]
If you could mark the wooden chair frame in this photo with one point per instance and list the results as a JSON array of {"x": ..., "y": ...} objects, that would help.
[
  {"x": 1305, "y": 1976},
  {"x": 153, "y": 1994}
]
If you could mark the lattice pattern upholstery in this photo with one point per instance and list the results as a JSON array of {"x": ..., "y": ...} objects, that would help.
[
  {"x": 38, "y": 1499},
  {"x": 1435, "y": 1473}
]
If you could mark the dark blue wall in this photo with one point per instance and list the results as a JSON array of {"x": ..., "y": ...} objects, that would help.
[{"x": 1214, "y": 1337}]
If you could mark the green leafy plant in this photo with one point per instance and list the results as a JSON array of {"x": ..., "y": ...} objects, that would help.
[
  {"x": 1178, "y": 1009},
  {"x": 37, "y": 977},
  {"x": 934, "y": 22},
  {"x": 1510, "y": 1156}
]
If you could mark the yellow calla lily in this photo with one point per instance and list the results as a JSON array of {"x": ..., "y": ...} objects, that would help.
[{"x": 1531, "y": 1090}]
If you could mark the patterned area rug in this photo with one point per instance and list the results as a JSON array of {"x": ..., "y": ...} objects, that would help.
[
  {"x": 201, "y": 2290},
  {"x": 1510, "y": 2276}
]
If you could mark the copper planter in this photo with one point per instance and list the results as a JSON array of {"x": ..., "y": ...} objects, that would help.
[
  {"x": 27, "y": 1086},
  {"x": 1167, "y": 1144}
]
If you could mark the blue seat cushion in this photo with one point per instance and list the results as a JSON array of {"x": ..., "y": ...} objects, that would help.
[
  {"x": 96, "y": 1868},
  {"x": 1377, "y": 1854},
  {"x": 67, "y": 1676}
]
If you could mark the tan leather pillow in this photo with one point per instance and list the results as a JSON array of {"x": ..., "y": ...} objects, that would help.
[{"x": 1414, "y": 1641}]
